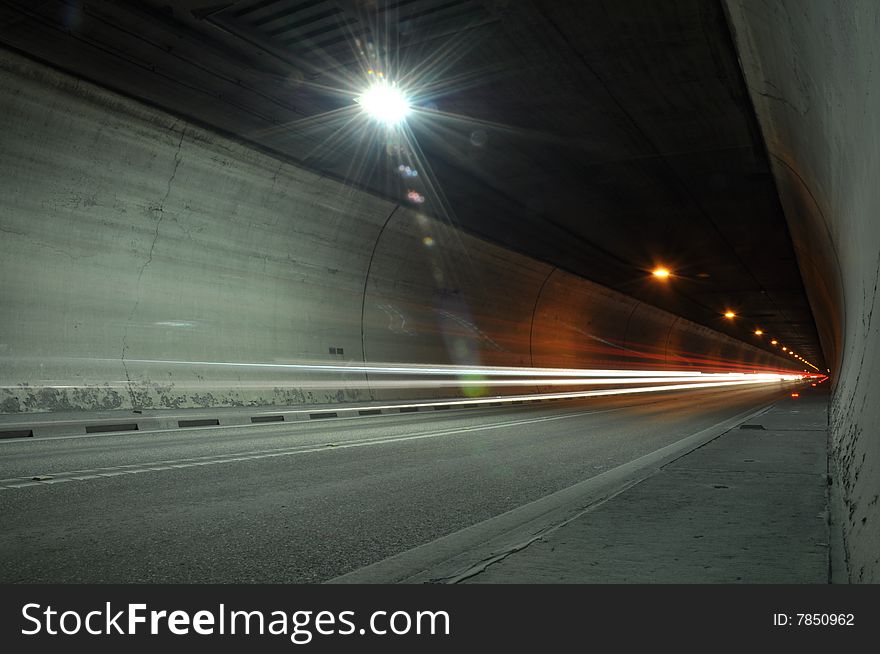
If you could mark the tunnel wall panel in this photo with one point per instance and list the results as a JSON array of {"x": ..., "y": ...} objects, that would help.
[
  {"x": 149, "y": 263},
  {"x": 135, "y": 246},
  {"x": 647, "y": 332},
  {"x": 436, "y": 295},
  {"x": 813, "y": 70},
  {"x": 578, "y": 324}
]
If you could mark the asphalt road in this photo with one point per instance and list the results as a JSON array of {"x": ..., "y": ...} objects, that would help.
[{"x": 306, "y": 502}]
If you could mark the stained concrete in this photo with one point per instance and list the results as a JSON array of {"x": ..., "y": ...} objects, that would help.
[
  {"x": 813, "y": 69},
  {"x": 748, "y": 507}
]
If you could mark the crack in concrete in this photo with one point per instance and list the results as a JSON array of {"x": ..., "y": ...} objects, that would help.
[
  {"x": 276, "y": 173},
  {"x": 541, "y": 535},
  {"x": 47, "y": 246},
  {"x": 160, "y": 210},
  {"x": 783, "y": 101},
  {"x": 6, "y": 230}
]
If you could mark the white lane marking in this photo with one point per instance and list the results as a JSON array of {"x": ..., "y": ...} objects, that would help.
[
  {"x": 154, "y": 466},
  {"x": 244, "y": 425}
]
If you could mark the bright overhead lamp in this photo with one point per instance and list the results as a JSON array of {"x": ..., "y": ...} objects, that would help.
[
  {"x": 385, "y": 102},
  {"x": 758, "y": 332},
  {"x": 661, "y": 272},
  {"x": 729, "y": 314}
]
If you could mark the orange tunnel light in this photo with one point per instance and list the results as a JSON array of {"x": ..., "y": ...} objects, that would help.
[{"x": 661, "y": 272}]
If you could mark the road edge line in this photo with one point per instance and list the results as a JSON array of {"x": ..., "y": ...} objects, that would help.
[{"x": 450, "y": 557}]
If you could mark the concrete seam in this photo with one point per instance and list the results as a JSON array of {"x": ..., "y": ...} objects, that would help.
[
  {"x": 831, "y": 242},
  {"x": 364, "y": 296},
  {"x": 668, "y": 337},
  {"x": 632, "y": 312},
  {"x": 534, "y": 313}
]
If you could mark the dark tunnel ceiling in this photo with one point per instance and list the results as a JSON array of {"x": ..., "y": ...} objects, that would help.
[{"x": 602, "y": 137}]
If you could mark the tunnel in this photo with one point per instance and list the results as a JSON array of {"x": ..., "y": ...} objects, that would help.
[{"x": 459, "y": 292}]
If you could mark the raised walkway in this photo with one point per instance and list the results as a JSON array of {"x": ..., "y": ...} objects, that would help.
[{"x": 748, "y": 504}]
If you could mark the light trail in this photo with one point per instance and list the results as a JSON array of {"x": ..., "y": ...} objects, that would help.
[
  {"x": 625, "y": 381},
  {"x": 433, "y": 383},
  {"x": 499, "y": 371},
  {"x": 452, "y": 385},
  {"x": 495, "y": 401}
]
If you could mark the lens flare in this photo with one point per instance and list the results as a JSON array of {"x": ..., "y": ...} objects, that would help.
[{"x": 385, "y": 103}]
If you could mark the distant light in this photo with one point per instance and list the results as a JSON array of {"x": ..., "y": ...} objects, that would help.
[
  {"x": 385, "y": 102},
  {"x": 784, "y": 349},
  {"x": 795, "y": 394},
  {"x": 758, "y": 332},
  {"x": 729, "y": 314},
  {"x": 774, "y": 342},
  {"x": 662, "y": 273}
]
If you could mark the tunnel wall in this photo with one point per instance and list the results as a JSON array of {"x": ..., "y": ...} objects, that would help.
[
  {"x": 813, "y": 71},
  {"x": 132, "y": 240},
  {"x": 149, "y": 263}
]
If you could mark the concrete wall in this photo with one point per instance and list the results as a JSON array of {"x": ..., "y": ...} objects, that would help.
[
  {"x": 148, "y": 263},
  {"x": 130, "y": 236},
  {"x": 813, "y": 71}
]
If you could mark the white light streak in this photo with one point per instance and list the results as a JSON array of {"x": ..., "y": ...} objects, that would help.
[{"x": 489, "y": 371}]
